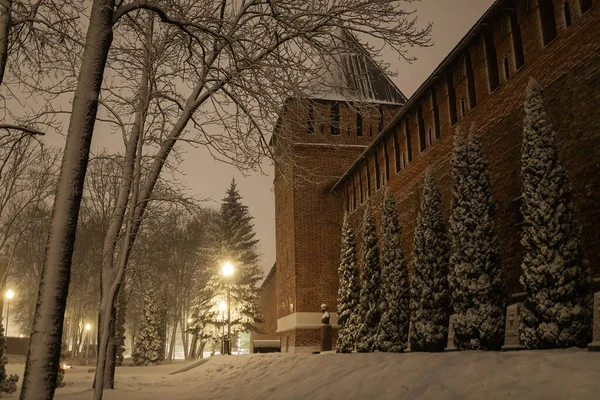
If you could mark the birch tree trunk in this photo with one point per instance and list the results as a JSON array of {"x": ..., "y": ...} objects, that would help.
[
  {"x": 5, "y": 23},
  {"x": 41, "y": 368}
]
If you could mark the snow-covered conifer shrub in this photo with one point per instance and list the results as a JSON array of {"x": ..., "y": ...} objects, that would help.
[
  {"x": 430, "y": 300},
  {"x": 555, "y": 273},
  {"x": 395, "y": 289},
  {"x": 475, "y": 278},
  {"x": 348, "y": 292},
  {"x": 149, "y": 348},
  {"x": 370, "y": 289}
]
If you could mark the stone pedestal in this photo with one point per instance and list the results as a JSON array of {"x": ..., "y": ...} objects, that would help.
[
  {"x": 326, "y": 338},
  {"x": 512, "y": 339},
  {"x": 450, "y": 346},
  {"x": 595, "y": 345}
]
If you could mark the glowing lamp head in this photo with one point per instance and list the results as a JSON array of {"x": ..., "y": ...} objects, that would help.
[
  {"x": 222, "y": 306},
  {"x": 227, "y": 269},
  {"x": 189, "y": 320},
  {"x": 10, "y": 294},
  {"x": 88, "y": 327}
]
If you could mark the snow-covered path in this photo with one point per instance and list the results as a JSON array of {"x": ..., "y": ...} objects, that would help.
[{"x": 560, "y": 374}]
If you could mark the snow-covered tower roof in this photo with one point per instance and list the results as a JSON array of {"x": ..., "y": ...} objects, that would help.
[{"x": 350, "y": 74}]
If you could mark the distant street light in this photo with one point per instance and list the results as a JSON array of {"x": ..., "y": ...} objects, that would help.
[
  {"x": 9, "y": 295},
  {"x": 228, "y": 271}
]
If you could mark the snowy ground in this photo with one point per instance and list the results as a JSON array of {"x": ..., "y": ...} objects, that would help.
[{"x": 561, "y": 374}]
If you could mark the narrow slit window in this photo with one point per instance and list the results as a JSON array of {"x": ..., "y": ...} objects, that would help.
[
  {"x": 387, "y": 160},
  {"x": 397, "y": 151},
  {"x": 462, "y": 106},
  {"x": 436, "y": 115},
  {"x": 491, "y": 60},
  {"x": 353, "y": 193},
  {"x": 335, "y": 118},
  {"x": 380, "y": 118},
  {"x": 408, "y": 141},
  {"x": 311, "y": 119},
  {"x": 567, "y": 12},
  {"x": 377, "y": 172},
  {"x": 348, "y": 198},
  {"x": 359, "y": 123},
  {"x": 517, "y": 205},
  {"x": 421, "y": 123},
  {"x": 360, "y": 186},
  {"x": 506, "y": 68},
  {"x": 547, "y": 20},
  {"x": 470, "y": 80},
  {"x": 517, "y": 40},
  {"x": 368, "y": 180},
  {"x": 451, "y": 99},
  {"x": 585, "y": 5}
]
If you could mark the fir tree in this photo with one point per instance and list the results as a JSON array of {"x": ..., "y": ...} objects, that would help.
[
  {"x": 395, "y": 289},
  {"x": 555, "y": 273},
  {"x": 429, "y": 284},
  {"x": 149, "y": 348},
  {"x": 477, "y": 288},
  {"x": 370, "y": 288},
  {"x": 8, "y": 384},
  {"x": 239, "y": 245},
  {"x": 348, "y": 293}
]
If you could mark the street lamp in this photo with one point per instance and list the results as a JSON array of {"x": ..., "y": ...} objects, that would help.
[
  {"x": 9, "y": 295},
  {"x": 227, "y": 272}
]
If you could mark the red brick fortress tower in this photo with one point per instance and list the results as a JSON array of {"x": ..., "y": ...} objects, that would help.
[{"x": 318, "y": 137}]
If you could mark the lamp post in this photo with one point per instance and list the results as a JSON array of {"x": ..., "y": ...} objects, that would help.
[
  {"x": 9, "y": 295},
  {"x": 227, "y": 271},
  {"x": 88, "y": 328},
  {"x": 222, "y": 308}
]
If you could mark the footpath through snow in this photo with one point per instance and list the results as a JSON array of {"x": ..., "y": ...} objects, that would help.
[{"x": 557, "y": 374}]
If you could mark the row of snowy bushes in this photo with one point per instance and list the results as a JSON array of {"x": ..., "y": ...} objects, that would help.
[{"x": 459, "y": 273}]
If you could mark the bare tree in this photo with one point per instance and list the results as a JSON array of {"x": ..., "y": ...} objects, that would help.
[
  {"x": 27, "y": 176},
  {"x": 243, "y": 59}
]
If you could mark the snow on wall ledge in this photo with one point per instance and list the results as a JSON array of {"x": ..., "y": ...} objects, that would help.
[{"x": 304, "y": 320}]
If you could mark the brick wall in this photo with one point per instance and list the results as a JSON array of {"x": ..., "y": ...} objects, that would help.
[
  {"x": 311, "y": 160},
  {"x": 569, "y": 70},
  {"x": 268, "y": 306},
  {"x": 308, "y": 216}
]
